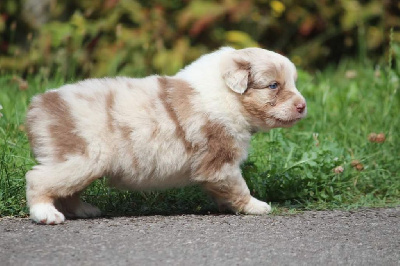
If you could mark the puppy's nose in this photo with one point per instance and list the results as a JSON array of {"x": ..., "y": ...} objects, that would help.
[{"x": 300, "y": 107}]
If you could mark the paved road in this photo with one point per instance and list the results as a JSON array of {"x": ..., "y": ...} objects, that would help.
[{"x": 364, "y": 237}]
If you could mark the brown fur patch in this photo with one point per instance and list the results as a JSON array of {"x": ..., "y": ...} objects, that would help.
[
  {"x": 85, "y": 97},
  {"x": 156, "y": 130},
  {"x": 154, "y": 123},
  {"x": 221, "y": 149},
  {"x": 30, "y": 119},
  {"x": 126, "y": 132},
  {"x": 284, "y": 95},
  {"x": 254, "y": 84},
  {"x": 109, "y": 105},
  {"x": 255, "y": 106},
  {"x": 243, "y": 65},
  {"x": 62, "y": 128},
  {"x": 281, "y": 76},
  {"x": 175, "y": 96}
]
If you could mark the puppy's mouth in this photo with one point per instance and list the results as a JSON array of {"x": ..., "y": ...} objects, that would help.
[{"x": 287, "y": 122}]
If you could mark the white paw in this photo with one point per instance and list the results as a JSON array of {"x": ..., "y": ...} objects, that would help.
[
  {"x": 46, "y": 213},
  {"x": 86, "y": 210},
  {"x": 257, "y": 207}
]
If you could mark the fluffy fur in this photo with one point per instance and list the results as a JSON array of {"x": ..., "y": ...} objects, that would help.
[{"x": 159, "y": 132}]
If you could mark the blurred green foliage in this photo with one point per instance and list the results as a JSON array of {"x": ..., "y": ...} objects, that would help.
[{"x": 81, "y": 38}]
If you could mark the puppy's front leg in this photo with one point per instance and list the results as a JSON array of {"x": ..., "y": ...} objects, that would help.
[{"x": 232, "y": 192}]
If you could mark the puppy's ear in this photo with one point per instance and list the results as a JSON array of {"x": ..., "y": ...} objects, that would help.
[{"x": 235, "y": 72}]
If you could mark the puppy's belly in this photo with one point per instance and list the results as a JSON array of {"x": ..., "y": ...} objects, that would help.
[
  {"x": 153, "y": 181},
  {"x": 151, "y": 164}
]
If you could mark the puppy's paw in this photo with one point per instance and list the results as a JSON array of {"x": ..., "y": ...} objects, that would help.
[
  {"x": 46, "y": 213},
  {"x": 86, "y": 210},
  {"x": 256, "y": 207}
]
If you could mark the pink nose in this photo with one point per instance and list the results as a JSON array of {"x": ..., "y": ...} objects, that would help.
[{"x": 300, "y": 107}]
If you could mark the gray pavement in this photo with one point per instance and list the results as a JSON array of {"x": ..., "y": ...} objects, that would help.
[{"x": 363, "y": 237}]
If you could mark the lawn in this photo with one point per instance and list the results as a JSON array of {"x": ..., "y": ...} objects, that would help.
[{"x": 328, "y": 160}]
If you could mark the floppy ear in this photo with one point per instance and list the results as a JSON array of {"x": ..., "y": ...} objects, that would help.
[{"x": 235, "y": 72}]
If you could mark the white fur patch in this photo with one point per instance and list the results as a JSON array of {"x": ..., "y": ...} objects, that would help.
[
  {"x": 256, "y": 207},
  {"x": 46, "y": 213}
]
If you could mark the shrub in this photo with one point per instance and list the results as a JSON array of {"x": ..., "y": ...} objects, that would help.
[{"x": 98, "y": 38}]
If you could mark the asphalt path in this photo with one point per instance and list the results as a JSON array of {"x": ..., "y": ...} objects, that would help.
[{"x": 362, "y": 237}]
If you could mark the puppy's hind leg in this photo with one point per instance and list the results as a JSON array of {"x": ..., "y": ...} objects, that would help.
[
  {"x": 46, "y": 184},
  {"x": 74, "y": 207}
]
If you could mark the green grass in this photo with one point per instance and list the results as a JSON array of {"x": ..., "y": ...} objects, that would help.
[{"x": 292, "y": 168}]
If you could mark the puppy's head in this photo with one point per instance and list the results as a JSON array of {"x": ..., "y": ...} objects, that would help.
[{"x": 264, "y": 82}]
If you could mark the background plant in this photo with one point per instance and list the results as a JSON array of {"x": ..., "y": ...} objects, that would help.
[{"x": 127, "y": 37}]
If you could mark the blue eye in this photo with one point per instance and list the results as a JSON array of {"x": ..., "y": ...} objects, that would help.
[{"x": 273, "y": 86}]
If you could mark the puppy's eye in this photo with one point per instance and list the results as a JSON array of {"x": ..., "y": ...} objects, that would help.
[{"x": 273, "y": 86}]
